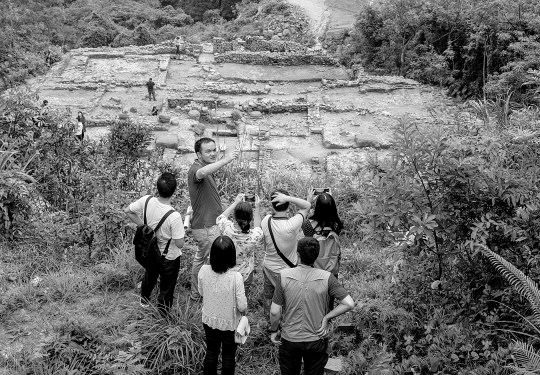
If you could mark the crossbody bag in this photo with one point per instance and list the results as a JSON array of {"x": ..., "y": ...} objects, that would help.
[{"x": 285, "y": 259}]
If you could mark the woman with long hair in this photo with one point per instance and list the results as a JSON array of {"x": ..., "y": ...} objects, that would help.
[
  {"x": 247, "y": 240},
  {"x": 325, "y": 225},
  {"x": 224, "y": 303}
]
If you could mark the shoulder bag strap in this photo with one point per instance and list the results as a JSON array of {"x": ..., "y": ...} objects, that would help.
[
  {"x": 159, "y": 226},
  {"x": 145, "y": 206},
  {"x": 287, "y": 261}
]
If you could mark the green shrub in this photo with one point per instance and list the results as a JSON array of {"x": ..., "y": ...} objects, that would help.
[{"x": 171, "y": 344}]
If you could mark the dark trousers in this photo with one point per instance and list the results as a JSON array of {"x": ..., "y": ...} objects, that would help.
[
  {"x": 217, "y": 340},
  {"x": 167, "y": 270},
  {"x": 313, "y": 352}
]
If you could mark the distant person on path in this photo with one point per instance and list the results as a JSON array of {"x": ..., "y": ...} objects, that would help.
[
  {"x": 247, "y": 241},
  {"x": 325, "y": 226},
  {"x": 81, "y": 125},
  {"x": 281, "y": 231},
  {"x": 177, "y": 42},
  {"x": 44, "y": 108},
  {"x": 224, "y": 303},
  {"x": 151, "y": 92},
  {"x": 170, "y": 240},
  {"x": 154, "y": 111},
  {"x": 48, "y": 58},
  {"x": 299, "y": 304},
  {"x": 205, "y": 202}
]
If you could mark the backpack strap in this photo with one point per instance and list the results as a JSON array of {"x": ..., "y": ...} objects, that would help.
[
  {"x": 145, "y": 207},
  {"x": 285, "y": 259},
  {"x": 159, "y": 225}
]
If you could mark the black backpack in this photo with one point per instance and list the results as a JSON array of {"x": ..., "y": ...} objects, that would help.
[{"x": 146, "y": 245}]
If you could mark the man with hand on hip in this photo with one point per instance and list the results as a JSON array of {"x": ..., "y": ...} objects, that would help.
[
  {"x": 205, "y": 202},
  {"x": 300, "y": 302}
]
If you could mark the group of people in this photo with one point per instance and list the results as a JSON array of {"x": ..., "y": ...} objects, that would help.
[{"x": 300, "y": 265}]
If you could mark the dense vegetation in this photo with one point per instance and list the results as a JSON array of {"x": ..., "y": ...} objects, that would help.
[
  {"x": 464, "y": 45},
  {"x": 425, "y": 229},
  {"x": 450, "y": 192},
  {"x": 28, "y": 29}
]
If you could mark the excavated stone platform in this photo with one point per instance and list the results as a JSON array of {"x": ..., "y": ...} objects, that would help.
[{"x": 287, "y": 114}]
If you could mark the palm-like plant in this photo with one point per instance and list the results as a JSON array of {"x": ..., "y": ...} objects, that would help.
[{"x": 527, "y": 357}]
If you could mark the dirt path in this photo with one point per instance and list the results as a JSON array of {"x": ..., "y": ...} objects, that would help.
[
  {"x": 317, "y": 11},
  {"x": 330, "y": 15}
]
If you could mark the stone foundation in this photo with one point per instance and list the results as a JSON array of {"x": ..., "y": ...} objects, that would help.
[{"x": 275, "y": 58}]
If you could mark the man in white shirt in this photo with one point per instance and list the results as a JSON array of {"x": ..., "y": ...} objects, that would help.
[
  {"x": 286, "y": 232},
  {"x": 170, "y": 240}
]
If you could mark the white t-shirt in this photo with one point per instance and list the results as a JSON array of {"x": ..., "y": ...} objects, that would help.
[
  {"x": 287, "y": 232},
  {"x": 172, "y": 228},
  {"x": 79, "y": 129}
]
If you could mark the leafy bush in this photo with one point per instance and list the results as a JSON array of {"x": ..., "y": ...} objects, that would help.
[
  {"x": 174, "y": 343},
  {"x": 462, "y": 45},
  {"x": 451, "y": 192}
]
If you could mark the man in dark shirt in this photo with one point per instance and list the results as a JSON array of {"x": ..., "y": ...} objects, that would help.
[
  {"x": 151, "y": 93},
  {"x": 301, "y": 302},
  {"x": 205, "y": 202}
]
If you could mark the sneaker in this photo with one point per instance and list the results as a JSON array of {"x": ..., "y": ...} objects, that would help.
[{"x": 143, "y": 302}]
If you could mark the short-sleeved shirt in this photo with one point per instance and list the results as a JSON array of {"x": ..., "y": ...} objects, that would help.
[
  {"x": 286, "y": 233},
  {"x": 172, "y": 228},
  {"x": 246, "y": 245},
  {"x": 223, "y": 295},
  {"x": 150, "y": 85},
  {"x": 304, "y": 294},
  {"x": 204, "y": 197}
]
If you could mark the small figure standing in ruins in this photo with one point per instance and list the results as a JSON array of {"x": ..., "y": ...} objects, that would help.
[
  {"x": 177, "y": 42},
  {"x": 81, "y": 126},
  {"x": 48, "y": 58},
  {"x": 151, "y": 93}
]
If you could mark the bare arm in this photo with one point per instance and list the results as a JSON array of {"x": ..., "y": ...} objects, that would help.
[
  {"x": 257, "y": 212},
  {"x": 275, "y": 317},
  {"x": 345, "y": 305},
  {"x": 303, "y": 205},
  {"x": 214, "y": 167},
  {"x": 133, "y": 216},
  {"x": 179, "y": 243},
  {"x": 228, "y": 211}
]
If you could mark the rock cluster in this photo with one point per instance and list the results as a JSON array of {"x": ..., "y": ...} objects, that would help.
[
  {"x": 259, "y": 44},
  {"x": 268, "y": 105},
  {"x": 275, "y": 58}
]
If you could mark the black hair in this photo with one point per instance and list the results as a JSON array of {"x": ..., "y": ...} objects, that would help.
[
  {"x": 222, "y": 254},
  {"x": 243, "y": 214},
  {"x": 201, "y": 142},
  {"x": 325, "y": 213},
  {"x": 275, "y": 205},
  {"x": 308, "y": 250},
  {"x": 166, "y": 185}
]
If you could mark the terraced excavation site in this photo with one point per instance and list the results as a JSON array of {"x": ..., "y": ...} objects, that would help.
[{"x": 296, "y": 107}]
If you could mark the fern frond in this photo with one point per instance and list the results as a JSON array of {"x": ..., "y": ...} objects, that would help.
[
  {"x": 523, "y": 284},
  {"x": 519, "y": 371},
  {"x": 526, "y": 356}
]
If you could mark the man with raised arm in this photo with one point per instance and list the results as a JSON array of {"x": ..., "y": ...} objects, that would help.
[
  {"x": 300, "y": 303},
  {"x": 205, "y": 202},
  {"x": 281, "y": 234}
]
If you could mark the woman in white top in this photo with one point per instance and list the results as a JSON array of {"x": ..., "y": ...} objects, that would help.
[
  {"x": 247, "y": 240},
  {"x": 224, "y": 303}
]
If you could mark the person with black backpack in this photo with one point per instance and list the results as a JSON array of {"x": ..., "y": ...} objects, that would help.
[{"x": 158, "y": 241}]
